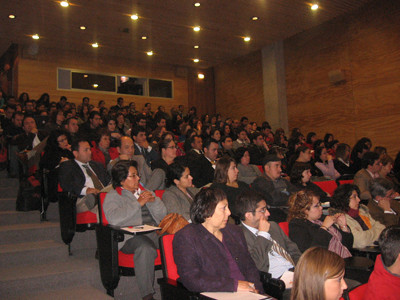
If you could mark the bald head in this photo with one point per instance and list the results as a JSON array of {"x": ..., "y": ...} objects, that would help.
[{"x": 127, "y": 147}]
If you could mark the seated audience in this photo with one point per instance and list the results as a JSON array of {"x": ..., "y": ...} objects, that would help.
[
  {"x": 111, "y": 125},
  {"x": 180, "y": 192},
  {"x": 364, "y": 228},
  {"x": 324, "y": 162},
  {"x": 309, "y": 228},
  {"x": 82, "y": 176},
  {"x": 167, "y": 148},
  {"x": 242, "y": 139},
  {"x": 258, "y": 149},
  {"x": 300, "y": 178},
  {"x": 142, "y": 146},
  {"x": 226, "y": 148},
  {"x": 225, "y": 179},
  {"x": 129, "y": 205},
  {"x": 386, "y": 171},
  {"x": 371, "y": 166},
  {"x": 383, "y": 207},
  {"x": 196, "y": 148},
  {"x": 71, "y": 127},
  {"x": 102, "y": 152},
  {"x": 247, "y": 172},
  {"x": 342, "y": 160},
  {"x": 360, "y": 148},
  {"x": 203, "y": 168},
  {"x": 319, "y": 275},
  {"x": 274, "y": 188},
  {"x": 211, "y": 255},
  {"x": 384, "y": 282},
  {"x": 89, "y": 129},
  {"x": 31, "y": 137},
  {"x": 310, "y": 140},
  {"x": 302, "y": 154},
  {"x": 272, "y": 251}
]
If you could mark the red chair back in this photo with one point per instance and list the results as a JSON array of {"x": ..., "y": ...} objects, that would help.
[
  {"x": 285, "y": 227},
  {"x": 159, "y": 193},
  {"x": 261, "y": 168},
  {"x": 349, "y": 181},
  {"x": 358, "y": 292},
  {"x": 170, "y": 270},
  {"x": 327, "y": 186},
  {"x": 103, "y": 216}
]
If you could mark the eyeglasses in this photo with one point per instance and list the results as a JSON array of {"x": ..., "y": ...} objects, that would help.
[{"x": 262, "y": 210}]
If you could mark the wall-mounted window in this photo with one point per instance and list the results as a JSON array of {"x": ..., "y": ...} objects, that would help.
[{"x": 69, "y": 79}]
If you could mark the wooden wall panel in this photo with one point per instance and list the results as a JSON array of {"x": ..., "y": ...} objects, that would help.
[
  {"x": 365, "y": 45},
  {"x": 201, "y": 91},
  {"x": 239, "y": 88},
  {"x": 37, "y": 76}
]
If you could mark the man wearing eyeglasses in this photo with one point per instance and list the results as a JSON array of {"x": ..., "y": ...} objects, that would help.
[{"x": 272, "y": 251}]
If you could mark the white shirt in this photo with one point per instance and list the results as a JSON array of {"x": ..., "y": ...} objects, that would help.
[
  {"x": 89, "y": 181},
  {"x": 277, "y": 264}
]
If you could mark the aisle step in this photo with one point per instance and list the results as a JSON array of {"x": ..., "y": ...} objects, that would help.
[
  {"x": 18, "y": 233},
  {"x": 12, "y": 217},
  {"x": 7, "y": 203}
]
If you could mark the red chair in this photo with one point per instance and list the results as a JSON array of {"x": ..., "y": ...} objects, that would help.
[
  {"x": 261, "y": 168},
  {"x": 285, "y": 227},
  {"x": 356, "y": 293},
  {"x": 349, "y": 181},
  {"x": 112, "y": 262},
  {"x": 159, "y": 193},
  {"x": 327, "y": 186}
]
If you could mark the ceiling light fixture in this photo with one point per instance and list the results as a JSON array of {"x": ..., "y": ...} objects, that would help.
[
  {"x": 200, "y": 76},
  {"x": 196, "y": 60},
  {"x": 197, "y": 4},
  {"x": 144, "y": 37},
  {"x": 247, "y": 39},
  {"x": 11, "y": 16},
  {"x": 135, "y": 17},
  {"x": 196, "y": 28},
  {"x": 254, "y": 18},
  {"x": 64, "y": 3},
  {"x": 149, "y": 53},
  {"x": 196, "y": 47},
  {"x": 95, "y": 85},
  {"x": 82, "y": 28},
  {"x": 35, "y": 36},
  {"x": 315, "y": 6},
  {"x": 95, "y": 45}
]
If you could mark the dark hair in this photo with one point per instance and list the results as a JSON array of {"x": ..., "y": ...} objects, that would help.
[
  {"x": 386, "y": 159},
  {"x": 246, "y": 202},
  {"x": 165, "y": 140},
  {"x": 102, "y": 132},
  {"x": 310, "y": 135},
  {"x": 317, "y": 154},
  {"x": 137, "y": 129},
  {"x": 120, "y": 171},
  {"x": 326, "y": 138},
  {"x": 204, "y": 204},
  {"x": 76, "y": 142},
  {"x": 208, "y": 142},
  {"x": 159, "y": 118},
  {"x": 243, "y": 119},
  {"x": 239, "y": 153},
  {"x": 17, "y": 113},
  {"x": 140, "y": 117},
  {"x": 380, "y": 187},
  {"x": 93, "y": 113},
  {"x": 213, "y": 130},
  {"x": 52, "y": 143},
  {"x": 221, "y": 169},
  {"x": 362, "y": 144},
  {"x": 389, "y": 243},
  {"x": 255, "y": 135},
  {"x": 224, "y": 137},
  {"x": 28, "y": 117},
  {"x": 175, "y": 171},
  {"x": 369, "y": 159},
  {"x": 298, "y": 203},
  {"x": 341, "y": 150},
  {"x": 341, "y": 197},
  {"x": 296, "y": 174},
  {"x": 380, "y": 150},
  {"x": 318, "y": 143}
]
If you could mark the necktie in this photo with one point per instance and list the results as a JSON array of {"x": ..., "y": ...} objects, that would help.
[
  {"x": 96, "y": 182},
  {"x": 281, "y": 251}
]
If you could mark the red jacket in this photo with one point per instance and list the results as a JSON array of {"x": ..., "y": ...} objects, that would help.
[{"x": 98, "y": 156}]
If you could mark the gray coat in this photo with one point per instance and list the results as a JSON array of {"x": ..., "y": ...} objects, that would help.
[
  {"x": 177, "y": 202},
  {"x": 248, "y": 173}
]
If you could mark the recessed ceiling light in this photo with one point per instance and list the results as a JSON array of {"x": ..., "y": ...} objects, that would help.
[
  {"x": 95, "y": 45},
  {"x": 11, "y": 16},
  {"x": 197, "y": 4},
  {"x": 196, "y": 47},
  {"x": 196, "y": 28},
  {"x": 64, "y": 3},
  {"x": 314, "y": 6},
  {"x": 247, "y": 39},
  {"x": 144, "y": 37},
  {"x": 254, "y": 18},
  {"x": 196, "y": 60},
  {"x": 82, "y": 28},
  {"x": 35, "y": 36},
  {"x": 149, "y": 53},
  {"x": 200, "y": 76},
  {"x": 95, "y": 85},
  {"x": 86, "y": 75},
  {"x": 135, "y": 17}
]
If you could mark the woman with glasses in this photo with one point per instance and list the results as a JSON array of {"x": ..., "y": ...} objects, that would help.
[
  {"x": 308, "y": 228},
  {"x": 167, "y": 148}
]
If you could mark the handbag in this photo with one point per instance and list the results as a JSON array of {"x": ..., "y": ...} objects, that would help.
[{"x": 172, "y": 223}]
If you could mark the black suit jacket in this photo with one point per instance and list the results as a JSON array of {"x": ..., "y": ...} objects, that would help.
[
  {"x": 202, "y": 170},
  {"x": 150, "y": 156},
  {"x": 72, "y": 179}
]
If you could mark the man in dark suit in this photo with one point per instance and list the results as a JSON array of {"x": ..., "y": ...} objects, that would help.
[
  {"x": 142, "y": 146},
  {"x": 272, "y": 251},
  {"x": 227, "y": 147},
  {"x": 196, "y": 142},
  {"x": 83, "y": 177},
  {"x": 258, "y": 149},
  {"x": 90, "y": 129},
  {"x": 203, "y": 168}
]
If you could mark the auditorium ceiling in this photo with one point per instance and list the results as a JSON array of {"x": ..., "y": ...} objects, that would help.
[{"x": 165, "y": 27}]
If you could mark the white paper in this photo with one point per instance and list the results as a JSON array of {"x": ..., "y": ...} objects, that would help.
[
  {"x": 140, "y": 228},
  {"x": 236, "y": 295},
  {"x": 287, "y": 278}
]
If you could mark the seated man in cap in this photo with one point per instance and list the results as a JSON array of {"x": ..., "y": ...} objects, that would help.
[{"x": 274, "y": 188}]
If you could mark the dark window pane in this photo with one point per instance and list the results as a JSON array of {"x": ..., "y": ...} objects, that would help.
[
  {"x": 94, "y": 82},
  {"x": 160, "y": 88},
  {"x": 131, "y": 85}
]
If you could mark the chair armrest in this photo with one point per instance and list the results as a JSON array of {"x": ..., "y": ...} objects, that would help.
[{"x": 272, "y": 286}]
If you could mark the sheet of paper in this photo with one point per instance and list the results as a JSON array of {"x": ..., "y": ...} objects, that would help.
[
  {"x": 140, "y": 228},
  {"x": 235, "y": 296},
  {"x": 287, "y": 278}
]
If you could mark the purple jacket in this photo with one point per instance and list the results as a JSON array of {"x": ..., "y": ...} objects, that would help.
[{"x": 201, "y": 259}]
